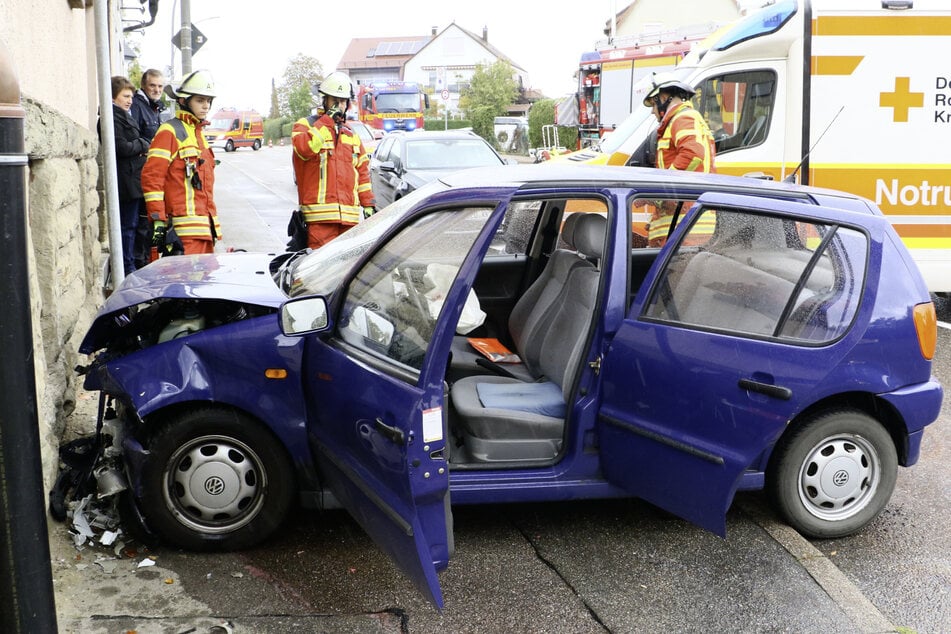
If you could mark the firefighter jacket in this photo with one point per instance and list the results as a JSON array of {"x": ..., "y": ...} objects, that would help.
[
  {"x": 332, "y": 171},
  {"x": 684, "y": 142},
  {"x": 178, "y": 179}
]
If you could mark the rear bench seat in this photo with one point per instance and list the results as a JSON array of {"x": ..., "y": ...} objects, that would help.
[{"x": 721, "y": 292}]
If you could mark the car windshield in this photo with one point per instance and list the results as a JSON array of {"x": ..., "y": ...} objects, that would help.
[
  {"x": 321, "y": 271},
  {"x": 397, "y": 102},
  {"x": 449, "y": 154}
]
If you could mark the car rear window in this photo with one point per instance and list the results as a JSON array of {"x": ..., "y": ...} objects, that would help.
[{"x": 763, "y": 275}]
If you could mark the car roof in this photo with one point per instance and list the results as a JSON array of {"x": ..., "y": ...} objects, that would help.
[
  {"x": 417, "y": 135},
  {"x": 561, "y": 175}
]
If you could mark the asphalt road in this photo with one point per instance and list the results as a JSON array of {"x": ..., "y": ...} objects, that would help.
[{"x": 592, "y": 566}]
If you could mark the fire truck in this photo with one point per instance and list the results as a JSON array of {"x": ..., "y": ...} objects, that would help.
[
  {"x": 607, "y": 76},
  {"x": 391, "y": 105},
  {"x": 231, "y": 128}
]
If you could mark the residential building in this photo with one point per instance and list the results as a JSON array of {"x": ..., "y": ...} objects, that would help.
[{"x": 444, "y": 60}]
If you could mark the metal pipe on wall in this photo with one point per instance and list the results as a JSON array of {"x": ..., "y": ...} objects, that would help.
[
  {"x": 108, "y": 131},
  {"x": 26, "y": 579}
]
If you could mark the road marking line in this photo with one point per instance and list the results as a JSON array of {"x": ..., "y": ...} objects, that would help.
[{"x": 836, "y": 584}]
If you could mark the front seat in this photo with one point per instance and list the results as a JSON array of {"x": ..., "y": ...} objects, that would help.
[{"x": 502, "y": 418}]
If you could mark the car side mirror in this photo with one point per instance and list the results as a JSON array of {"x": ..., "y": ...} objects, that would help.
[
  {"x": 304, "y": 315},
  {"x": 388, "y": 166}
]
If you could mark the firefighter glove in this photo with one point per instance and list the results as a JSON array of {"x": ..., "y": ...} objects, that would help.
[
  {"x": 158, "y": 234},
  {"x": 368, "y": 211}
]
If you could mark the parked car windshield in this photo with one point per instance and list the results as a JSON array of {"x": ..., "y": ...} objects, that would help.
[
  {"x": 449, "y": 154},
  {"x": 321, "y": 271}
]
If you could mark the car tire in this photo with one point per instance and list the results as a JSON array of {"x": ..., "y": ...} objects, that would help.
[
  {"x": 215, "y": 480},
  {"x": 229, "y": 146},
  {"x": 833, "y": 474},
  {"x": 256, "y": 145}
]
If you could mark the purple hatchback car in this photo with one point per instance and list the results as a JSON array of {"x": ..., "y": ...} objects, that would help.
[{"x": 782, "y": 339}]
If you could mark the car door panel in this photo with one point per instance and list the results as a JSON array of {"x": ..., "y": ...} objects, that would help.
[
  {"x": 688, "y": 407},
  {"x": 365, "y": 447},
  {"x": 383, "y": 448},
  {"x": 498, "y": 285}
]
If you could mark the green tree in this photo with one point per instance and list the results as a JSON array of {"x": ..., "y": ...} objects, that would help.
[
  {"x": 302, "y": 70},
  {"x": 492, "y": 89},
  {"x": 300, "y": 102},
  {"x": 275, "y": 108},
  {"x": 541, "y": 114},
  {"x": 135, "y": 73}
]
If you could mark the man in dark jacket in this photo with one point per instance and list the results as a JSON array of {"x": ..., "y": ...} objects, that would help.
[
  {"x": 131, "y": 149},
  {"x": 147, "y": 103},
  {"x": 147, "y": 111}
]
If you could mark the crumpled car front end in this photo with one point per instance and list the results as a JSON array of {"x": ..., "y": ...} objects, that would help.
[{"x": 199, "y": 334}]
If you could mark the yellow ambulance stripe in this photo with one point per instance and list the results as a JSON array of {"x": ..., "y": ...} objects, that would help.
[
  {"x": 835, "y": 64},
  {"x": 882, "y": 25},
  {"x": 617, "y": 65},
  {"x": 925, "y": 243}
]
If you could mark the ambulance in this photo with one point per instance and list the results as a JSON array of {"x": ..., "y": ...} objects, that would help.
[{"x": 853, "y": 95}]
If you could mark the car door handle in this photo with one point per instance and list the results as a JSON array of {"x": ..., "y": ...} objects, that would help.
[
  {"x": 776, "y": 391},
  {"x": 395, "y": 434}
]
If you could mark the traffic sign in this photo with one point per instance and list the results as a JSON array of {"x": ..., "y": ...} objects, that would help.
[
  {"x": 198, "y": 38},
  {"x": 445, "y": 95}
]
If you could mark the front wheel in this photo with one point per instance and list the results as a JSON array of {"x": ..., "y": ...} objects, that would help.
[
  {"x": 215, "y": 479},
  {"x": 833, "y": 474},
  {"x": 229, "y": 146}
]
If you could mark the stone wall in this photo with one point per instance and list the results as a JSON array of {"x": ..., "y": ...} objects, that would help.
[{"x": 66, "y": 227}]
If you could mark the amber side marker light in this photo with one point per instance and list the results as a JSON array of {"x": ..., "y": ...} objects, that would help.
[
  {"x": 281, "y": 373},
  {"x": 926, "y": 323}
]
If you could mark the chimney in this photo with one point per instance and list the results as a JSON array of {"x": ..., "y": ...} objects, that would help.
[
  {"x": 434, "y": 31},
  {"x": 485, "y": 34}
]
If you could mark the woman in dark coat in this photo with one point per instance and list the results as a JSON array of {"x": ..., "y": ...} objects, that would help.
[{"x": 131, "y": 149}]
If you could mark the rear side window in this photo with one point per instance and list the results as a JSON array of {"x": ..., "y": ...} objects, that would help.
[{"x": 762, "y": 275}]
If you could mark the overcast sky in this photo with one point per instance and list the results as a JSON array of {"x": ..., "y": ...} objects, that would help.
[{"x": 250, "y": 41}]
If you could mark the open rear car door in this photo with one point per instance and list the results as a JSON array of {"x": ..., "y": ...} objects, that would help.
[{"x": 732, "y": 339}]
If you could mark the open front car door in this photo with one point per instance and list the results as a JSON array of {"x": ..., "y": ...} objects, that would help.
[{"x": 376, "y": 394}]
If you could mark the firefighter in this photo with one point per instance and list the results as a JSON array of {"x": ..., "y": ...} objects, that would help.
[
  {"x": 178, "y": 179},
  {"x": 330, "y": 165},
  {"x": 684, "y": 142}
]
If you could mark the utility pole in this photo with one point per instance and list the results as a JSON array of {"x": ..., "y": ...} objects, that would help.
[
  {"x": 26, "y": 580},
  {"x": 186, "y": 38}
]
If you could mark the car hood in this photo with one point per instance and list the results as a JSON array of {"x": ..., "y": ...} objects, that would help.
[{"x": 238, "y": 277}]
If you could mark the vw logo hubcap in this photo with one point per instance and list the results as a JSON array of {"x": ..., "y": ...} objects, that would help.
[{"x": 216, "y": 486}]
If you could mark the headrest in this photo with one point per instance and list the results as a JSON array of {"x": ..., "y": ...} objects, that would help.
[
  {"x": 568, "y": 229},
  {"x": 589, "y": 234}
]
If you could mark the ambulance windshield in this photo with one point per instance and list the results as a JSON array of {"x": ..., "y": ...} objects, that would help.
[
  {"x": 765, "y": 21},
  {"x": 640, "y": 116}
]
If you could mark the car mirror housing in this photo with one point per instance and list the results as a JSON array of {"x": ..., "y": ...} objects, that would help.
[{"x": 304, "y": 315}]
